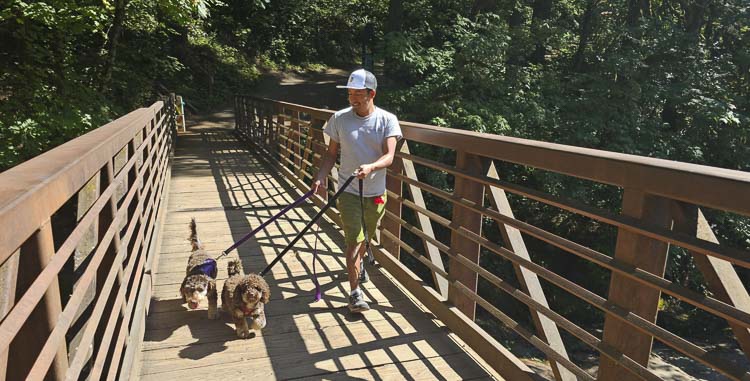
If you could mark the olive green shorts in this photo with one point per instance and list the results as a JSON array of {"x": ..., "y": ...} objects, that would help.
[{"x": 351, "y": 216}]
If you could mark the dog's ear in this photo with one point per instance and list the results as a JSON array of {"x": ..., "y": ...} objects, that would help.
[
  {"x": 265, "y": 290},
  {"x": 238, "y": 291},
  {"x": 182, "y": 288}
]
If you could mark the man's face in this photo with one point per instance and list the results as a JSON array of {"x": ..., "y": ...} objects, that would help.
[{"x": 360, "y": 99}]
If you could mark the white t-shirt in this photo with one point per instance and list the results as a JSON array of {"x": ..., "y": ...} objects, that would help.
[{"x": 362, "y": 140}]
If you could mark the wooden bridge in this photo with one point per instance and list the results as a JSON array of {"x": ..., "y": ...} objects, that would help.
[{"x": 93, "y": 250}]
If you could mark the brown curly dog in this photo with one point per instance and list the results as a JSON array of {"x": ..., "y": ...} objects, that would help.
[
  {"x": 245, "y": 296},
  {"x": 200, "y": 277}
]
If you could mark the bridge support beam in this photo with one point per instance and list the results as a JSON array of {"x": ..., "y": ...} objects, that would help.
[
  {"x": 35, "y": 254},
  {"x": 471, "y": 220},
  {"x": 720, "y": 275},
  {"x": 546, "y": 329},
  {"x": 644, "y": 253}
]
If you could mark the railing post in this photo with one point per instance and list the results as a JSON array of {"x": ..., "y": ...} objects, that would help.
[
  {"x": 646, "y": 254},
  {"x": 395, "y": 186},
  {"x": 472, "y": 221},
  {"x": 258, "y": 126},
  {"x": 240, "y": 114},
  {"x": 280, "y": 124},
  {"x": 105, "y": 220},
  {"x": 35, "y": 254},
  {"x": 295, "y": 144},
  {"x": 313, "y": 135},
  {"x": 8, "y": 276}
]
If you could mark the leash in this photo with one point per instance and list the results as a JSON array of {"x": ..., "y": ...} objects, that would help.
[
  {"x": 318, "y": 293},
  {"x": 263, "y": 225},
  {"x": 309, "y": 224}
]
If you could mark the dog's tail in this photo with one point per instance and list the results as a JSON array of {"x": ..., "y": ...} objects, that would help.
[
  {"x": 234, "y": 267},
  {"x": 194, "y": 236}
]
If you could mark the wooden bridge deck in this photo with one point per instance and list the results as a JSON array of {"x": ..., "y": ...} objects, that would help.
[{"x": 229, "y": 191}]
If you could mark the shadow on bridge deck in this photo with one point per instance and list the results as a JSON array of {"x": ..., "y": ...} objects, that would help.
[{"x": 229, "y": 191}]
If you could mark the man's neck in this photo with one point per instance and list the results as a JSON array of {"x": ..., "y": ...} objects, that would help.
[{"x": 367, "y": 111}]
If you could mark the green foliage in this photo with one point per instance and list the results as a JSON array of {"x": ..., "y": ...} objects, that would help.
[{"x": 64, "y": 71}]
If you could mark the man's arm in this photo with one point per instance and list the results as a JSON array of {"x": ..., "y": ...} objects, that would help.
[
  {"x": 328, "y": 160},
  {"x": 389, "y": 151}
]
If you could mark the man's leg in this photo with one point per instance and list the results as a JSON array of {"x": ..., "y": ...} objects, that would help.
[
  {"x": 353, "y": 262},
  {"x": 354, "y": 258}
]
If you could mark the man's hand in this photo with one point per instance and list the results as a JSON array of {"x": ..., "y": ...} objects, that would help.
[
  {"x": 319, "y": 187},
  {"x": 364, "y": 170}
]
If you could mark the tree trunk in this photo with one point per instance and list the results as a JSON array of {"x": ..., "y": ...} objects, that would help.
[
  {"x": 481, "y": 6},
  {"x": 636, "y": 10},
  {"x": 694, "y": 15},
  {"x": 542, "y": 12},
  {"x": 515, "y": 57},
  {"x": 113, "y": 39},
  {"x": 394, "y": 23},
  {"x": 395, "y": 16},
  {"x": 587, "y": 27}
]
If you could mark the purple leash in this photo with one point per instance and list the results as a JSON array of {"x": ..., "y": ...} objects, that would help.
[
  {"x": 263, "y": 225},
  {"x": 318, "y": 293}
]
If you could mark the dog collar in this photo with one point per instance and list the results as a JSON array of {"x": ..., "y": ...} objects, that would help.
[
  {"x": 246, "y": 311},
  {"x": 208, "y": 268}
]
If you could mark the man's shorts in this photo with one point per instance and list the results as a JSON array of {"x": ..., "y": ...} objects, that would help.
[{"x": 351, "y": 216}]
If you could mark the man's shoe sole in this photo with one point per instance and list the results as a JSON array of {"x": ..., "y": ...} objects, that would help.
[{"x": 358, "y": 310}]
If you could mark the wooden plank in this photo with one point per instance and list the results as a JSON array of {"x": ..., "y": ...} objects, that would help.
[
  {"x": 196, "y": 329},
  {"x": 399, "y": 357},
  {"x": 545, "y": 328},
  {"x": 393, "y": 186},
  {"x": 35, "y": 254},
  {"x": 8, "y": 279},
  {"x": 471, "y": 220},
  {"x": 644, "y": 253}
]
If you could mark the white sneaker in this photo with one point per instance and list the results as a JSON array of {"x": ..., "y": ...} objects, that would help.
[{"x": 357, "y": 302}]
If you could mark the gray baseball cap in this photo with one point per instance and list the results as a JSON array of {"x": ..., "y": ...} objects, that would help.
[{"x": 361, "y": 79}]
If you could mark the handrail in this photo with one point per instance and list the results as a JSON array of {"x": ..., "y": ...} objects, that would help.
[
  {"x": 661, "y": 207},
  {"x": 124, "y": 167}
]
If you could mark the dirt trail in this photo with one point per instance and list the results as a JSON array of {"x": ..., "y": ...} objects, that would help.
[{"x": 316, "y": 89}]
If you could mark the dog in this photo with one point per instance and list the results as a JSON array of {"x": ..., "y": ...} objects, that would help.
[
  {"x": 245, "y": 296},
  {"x": 200, "y": 276}
]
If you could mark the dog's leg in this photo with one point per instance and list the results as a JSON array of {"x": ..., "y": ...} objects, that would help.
[
  {"x": 240, "y": 324},
  {"x": 259, "y": 317},
  {"x": 213, "y": 311}
]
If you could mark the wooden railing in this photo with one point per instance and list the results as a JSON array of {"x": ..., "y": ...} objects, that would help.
[
  {"x": 77, "y": 238},
  {"x": 661, "y": 203}
]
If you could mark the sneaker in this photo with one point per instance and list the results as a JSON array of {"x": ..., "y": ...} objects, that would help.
[
  {"x": 363, "y": 277},
  {"x": 357, "y": 302}
]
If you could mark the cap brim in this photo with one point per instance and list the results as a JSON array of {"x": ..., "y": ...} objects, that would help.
[{"x": 350, "y": 87}]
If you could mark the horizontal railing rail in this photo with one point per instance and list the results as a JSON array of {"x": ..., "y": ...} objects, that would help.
[
  {"x": 661, "y": 205},
  {"x": 78, "y": 225}
]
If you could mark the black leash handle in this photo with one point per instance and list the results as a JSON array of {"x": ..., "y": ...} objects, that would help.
[{"x": 309, "y": 224}]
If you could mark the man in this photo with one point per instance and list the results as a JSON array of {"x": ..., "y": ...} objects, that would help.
[{"x": 367, "y": 136}]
